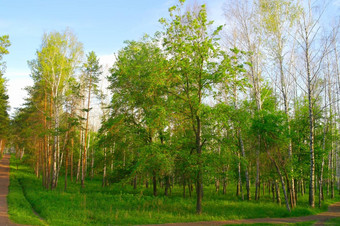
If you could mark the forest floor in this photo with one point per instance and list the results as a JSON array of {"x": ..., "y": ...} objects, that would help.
[
  {"x": 4, "y": 183},
  {"x": 120, "y": 204}
]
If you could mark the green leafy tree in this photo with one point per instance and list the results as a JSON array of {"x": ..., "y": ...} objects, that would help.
[
  {"x": 136, "y": 81},
  {"x": 196, "y": 66},
  {"x": 4, "y": 106}
]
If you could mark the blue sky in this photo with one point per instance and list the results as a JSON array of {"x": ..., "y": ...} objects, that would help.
[{"x": 101, "y": 25}]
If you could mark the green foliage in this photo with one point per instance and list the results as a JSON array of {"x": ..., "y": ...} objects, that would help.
[
  {"x": 277, "y": 12},
  {"x": 272, "y": 127},
  {"x": 155, "y": 157},
  {"x": 4, "y": 105},
  {"x": 139, "y": 108},
  {"x": 56, "y": 60},
  {"x": 92, "y": 71},
  {"x": 121, "y": 173},
  {"x": 4, "y": 45}
]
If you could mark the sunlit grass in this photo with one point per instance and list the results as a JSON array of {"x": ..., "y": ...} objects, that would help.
[
  {"x": 118, "y": 205},
  {"x": 19, "y": 209}
]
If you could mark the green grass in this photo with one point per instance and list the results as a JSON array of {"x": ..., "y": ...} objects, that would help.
[
  {"x": 307, "y": 223},
  {"x": 19, "y": 209},
  {"x": 117, "y": 205},
  {"x": 334, "y": 221}
]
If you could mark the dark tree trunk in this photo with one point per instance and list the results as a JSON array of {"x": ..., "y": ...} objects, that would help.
[
  {"x": 154, "y": 181},
  {"x": 167, "y": 185},
  {"x": 135, "y": 182},
  {"x": 183, "y": 187}
]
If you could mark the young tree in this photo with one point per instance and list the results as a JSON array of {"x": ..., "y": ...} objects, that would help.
[
  {"x": 196, "y": 66},
  {"x": 273, "y": 128},
  {"x": 136, "y": 81}
]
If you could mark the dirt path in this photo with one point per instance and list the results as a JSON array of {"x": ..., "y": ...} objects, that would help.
[
  {"x": 321, "y": 218},
  {"x": 4, "y": 182}
]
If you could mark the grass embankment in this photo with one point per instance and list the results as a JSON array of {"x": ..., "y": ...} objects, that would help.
[
  {"x": 19, "y": 209},
  {"x": 116, "y": 205}
]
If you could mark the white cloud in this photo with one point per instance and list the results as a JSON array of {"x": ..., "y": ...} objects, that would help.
[
  {"x": 107, "y": 60},
  {"x": 16, "y": 91},
  {"x": 17, "y": 81},
  {"x": 336, "y": 3}
]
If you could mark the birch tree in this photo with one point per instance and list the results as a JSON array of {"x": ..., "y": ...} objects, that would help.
[
  {"x": 244, "y": 33},
  {"x": 314, "y": 50},
  {"x": 57, "y": 61},
  {"x": 278, "y": 18}
]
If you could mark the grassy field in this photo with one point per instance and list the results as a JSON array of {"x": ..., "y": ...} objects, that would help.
[{"x": 116, "y": 205}]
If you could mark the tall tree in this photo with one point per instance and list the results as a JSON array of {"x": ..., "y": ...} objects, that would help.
[
  {"x": 4, "y": 106},
  {"x": 56, "y": 63},
  {"x": 244, "y": 33},
  {"x": 314, "y": 50},
  {"x": 278, "y": 18},
  {"x": 91, "y": 77}
]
